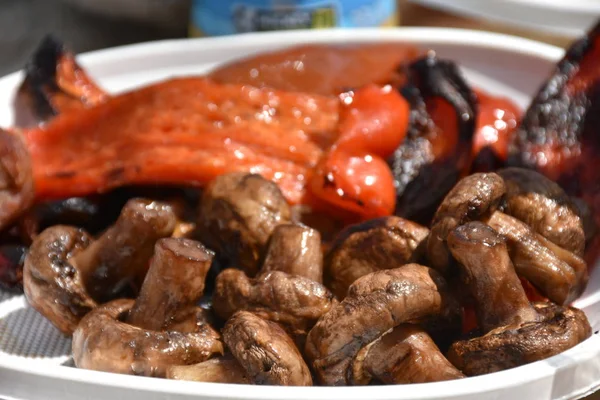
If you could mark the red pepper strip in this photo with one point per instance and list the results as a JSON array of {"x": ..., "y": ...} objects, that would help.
[
  {"x": 494, "y": 130},
  {"x": 184, "y": 131},
  {"x": 354, "y": 175},
  {"x": 78, "y": 90},
  {"x": 54, "y": 84}
]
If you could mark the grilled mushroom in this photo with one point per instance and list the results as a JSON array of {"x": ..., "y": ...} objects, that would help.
[
  {"x": 473, "y": 197},
  {"x": 119, "y": 257},
  {"x": 545, "y": 207},
  {"x": 406, "y": 354},
  {"x": 103, "y": 342},
  {"x": 376, "y": 303},
  {"x": 265, "y": 351},
  {"x": 382, "y": 243},
  {"x": 238, "y": 214},
  {"x": 516, "y": 332},
  {"x": 173, "y": 285},
  {"x": 224, "y": 369},
  {"x": 557, "y": 273},
  {"x": 147, "y": 336},
  {"x": 66, "y": 273},
  {"x": 295, "y": 301},
  {"x": 295, "y": 249},
  {"x": 287, "y": 289}
]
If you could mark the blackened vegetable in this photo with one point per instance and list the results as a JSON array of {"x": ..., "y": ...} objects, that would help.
[{"x": 437, "y": 148}]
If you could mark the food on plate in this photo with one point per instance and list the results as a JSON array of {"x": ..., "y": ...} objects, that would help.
[
  {"x": 557, "y": 135},
  {"x": 376, "y": 303},
  {"x": 54, "y": 83},
  {"x": 331, "y": 215},
  {"x": 238, "y": 213},
  {"x": 67, "y": 273},
  {"x": 406, "y": 354},
  {"x": 439, "y": 141},
  {"x": 381, "y": 243},
  {"x": 146, "y": 336},
  {"x": 296, "y": 250},
  {"x": 282, "y": 292},
  {"x": 103, "y": 342},
  {"x": 472, "y": 198},
  {"x": 516, "y": 332}
]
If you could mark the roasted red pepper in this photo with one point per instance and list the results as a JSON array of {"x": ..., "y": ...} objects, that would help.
[
  {"x": 188, "y": 131},
  {"x": 558, "y": 135},
  {"x": 54, "y": 83},
  {"x": 496, "y": 126},
  {"x": 437, "y": 148}
]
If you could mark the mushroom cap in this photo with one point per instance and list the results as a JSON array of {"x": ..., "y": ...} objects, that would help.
[
  {"x": 545, "y": 207},
  {"x": 473, "y": 197},
  {"x": 16, "y": 178},
  {"x": 103, "y": 343},
  {"x": 238, "y": 214},
  {"x": 381, "y": 243},
  {"x": 52, "y": 284},
  {"x": 295, "y": 301},
  {"x": 265, "y": 351},
  {"x": 376, "y": 303},
  {"x": 559, "y": 329}
]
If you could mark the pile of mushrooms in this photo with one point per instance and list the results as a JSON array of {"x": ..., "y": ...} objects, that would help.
[{"x": 383, "y": 303}]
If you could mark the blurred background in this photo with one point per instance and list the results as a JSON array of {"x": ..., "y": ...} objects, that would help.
[{"x": 93, "y": 24}]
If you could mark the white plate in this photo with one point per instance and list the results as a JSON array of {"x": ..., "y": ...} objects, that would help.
[
  {"x": 570, "y": 18},
  {"x": 501, "y": 64}
]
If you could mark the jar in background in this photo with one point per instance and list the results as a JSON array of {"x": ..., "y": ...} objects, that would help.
[{"x": 225, "y": 17}]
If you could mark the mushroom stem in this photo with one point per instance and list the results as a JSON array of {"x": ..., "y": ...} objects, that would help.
[
  {"x": 295, "y": 249},
  {"x": 407, "y": 354},
  {"x": 103, "y": 342},
  {"x": 559, "y": 274},
  {"x": 119, "y": 257},
  {"x": 490, "y": 275},
  {"x": 175, "y": 282},
  {"x": 224, "y": 369}
]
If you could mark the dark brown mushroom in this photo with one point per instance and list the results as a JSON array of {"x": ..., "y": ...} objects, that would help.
[
  {"x": 66, "y": 273},
  {"x": 376, "y": 303},
  {"x": 474, "y": 197},
  {"x": 295, "y": 301},
  {"x": 53, "y": 285},
  {"x": 382, "y": 243},
  {"x": 102, "y": 342},
  {"x": 516, "y": 333},
  {"x": 406, "y": 354},
  {"x": 557, "y": 273},
  {"x": 119, "y": 257},
  {"x": 265, "y": 351},
  {"x": 16, "y": 179},
  {"x": 224, "y": 369},
  {"x": 238, "y": 213},
  {"x": 174, "y": 283},
  {"x": 295, "y": 249},
  {"x": 545, "y": 207},
  {"x": 486, "y": 267}
]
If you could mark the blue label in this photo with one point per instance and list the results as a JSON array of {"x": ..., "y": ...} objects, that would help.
[{"x": 225, "y": 17}]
